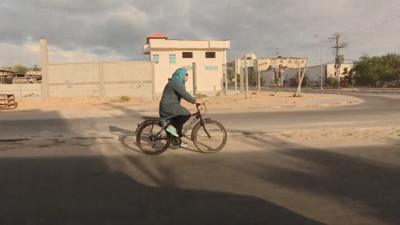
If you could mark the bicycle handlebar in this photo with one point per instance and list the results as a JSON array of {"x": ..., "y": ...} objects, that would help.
[{"x": 198, "y": 105}]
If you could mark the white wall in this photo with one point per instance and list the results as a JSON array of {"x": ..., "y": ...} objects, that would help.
[
  {"x": 109, "y": 79},
  {"x": 208, "y": 81}
]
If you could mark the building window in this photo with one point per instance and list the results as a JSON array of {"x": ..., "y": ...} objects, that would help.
[
  {"x": 156, "y": 58},
  {"x": 211, "y": 67},
  {"x": 172, "y": 59},
  {"x": 187, "y": 55},
  {"x": 210, "y": 55}
]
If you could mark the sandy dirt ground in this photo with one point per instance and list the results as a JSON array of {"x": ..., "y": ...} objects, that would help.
[{"x": 256, "y": 102}]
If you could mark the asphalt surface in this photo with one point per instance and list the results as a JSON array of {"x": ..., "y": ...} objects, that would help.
[
  {"x": 377, "y": 110},
  {"x": 72, "y": 172}
]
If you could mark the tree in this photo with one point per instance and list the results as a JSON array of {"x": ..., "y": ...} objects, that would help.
[
  {"x": 36, "y": 68},
  {"x": 20, "y": 69},
  {"x": 376, "y": 70}
]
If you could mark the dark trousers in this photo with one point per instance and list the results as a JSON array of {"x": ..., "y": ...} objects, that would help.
[{"x": 178, "y": 122}]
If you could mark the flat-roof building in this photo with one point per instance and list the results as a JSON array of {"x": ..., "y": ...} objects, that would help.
[{"x": 168, "y": 54}]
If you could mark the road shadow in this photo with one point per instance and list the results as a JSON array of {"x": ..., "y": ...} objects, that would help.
[
  {"x": 83, "y": 190},
  {"x": 126, "y": 137},
  {"x": 340, "y": 173},
  {"x": 340, "y": 176},
  {"x": 34, "y": 128}
]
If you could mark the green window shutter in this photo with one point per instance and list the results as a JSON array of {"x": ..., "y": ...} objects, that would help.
[
  {"x": 156, "y": 58},
  {"x": 172, "y": 58}
]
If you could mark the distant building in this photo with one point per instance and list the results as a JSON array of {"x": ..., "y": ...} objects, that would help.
[
  {"x": 6, "y": 76},
  {"x": 11, "y": 77},
  {"x": 343, "y": 70},
  {"x": 168, "y": 55},
  {"x": 272, "y": 70},
  {"x": 313, "y": 73}
]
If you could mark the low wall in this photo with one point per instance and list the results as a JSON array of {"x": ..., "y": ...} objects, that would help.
[
  {"x": 22, "y": 90},
  {"x": 105, "y": 79}
]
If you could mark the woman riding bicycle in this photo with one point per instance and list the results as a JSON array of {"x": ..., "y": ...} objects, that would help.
[{"x": 170, "y": 107}]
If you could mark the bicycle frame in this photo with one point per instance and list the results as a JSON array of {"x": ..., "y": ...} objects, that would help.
[{"x": 197, "y": 117}]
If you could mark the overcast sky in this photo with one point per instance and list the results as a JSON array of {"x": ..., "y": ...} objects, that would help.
[{"x": 80, "y": 30}]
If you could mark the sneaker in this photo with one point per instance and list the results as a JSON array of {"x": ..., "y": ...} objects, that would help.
[{"x": 171, "y": 129}]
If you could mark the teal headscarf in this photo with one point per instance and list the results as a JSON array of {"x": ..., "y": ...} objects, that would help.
[{"x": 179, "y": 75}]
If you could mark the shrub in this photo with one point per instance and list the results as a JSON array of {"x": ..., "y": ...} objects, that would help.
[
  {"x": 332, "y": 82},
  {"x": 294, "y": 81},
  {"x": 200, "y": 95},
  {"x": 125, "y": 98}
]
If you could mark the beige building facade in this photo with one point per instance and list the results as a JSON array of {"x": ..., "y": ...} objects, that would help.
[
  {"x": 264, "y": 64},
  {"x": 209, "y": 57},
  {"x": 274, "y": 67}
]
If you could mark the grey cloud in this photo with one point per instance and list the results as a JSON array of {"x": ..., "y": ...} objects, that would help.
[{"x": 105, "y": 26}]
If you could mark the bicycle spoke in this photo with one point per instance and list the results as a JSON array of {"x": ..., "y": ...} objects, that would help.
[
  {"x": 210, "y": 136},
  {"x": 152, "y": 138}
]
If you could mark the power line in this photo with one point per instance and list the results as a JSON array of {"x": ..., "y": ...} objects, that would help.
[
  {"x": 372, "y": 19},
  {"x": 390, "y": 13}
]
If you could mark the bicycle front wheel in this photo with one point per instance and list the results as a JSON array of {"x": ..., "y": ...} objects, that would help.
[
  {"x": 209, "y": 136},
  {"x": 151, "y": 138}
]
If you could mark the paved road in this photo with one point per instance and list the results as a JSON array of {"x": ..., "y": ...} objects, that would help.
[
  {"x": 376, "y": 111},
  {"x": 257, "y": 179}
]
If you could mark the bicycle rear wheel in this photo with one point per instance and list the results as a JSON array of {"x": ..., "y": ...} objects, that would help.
[
  {"x": 209, "y": 137},
  {"x": 151, "y": 138}
]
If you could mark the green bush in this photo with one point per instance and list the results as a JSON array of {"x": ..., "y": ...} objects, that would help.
[
  {"x": 332, "y": 82},
  {"x": 294, "y": 81},
  {"x": 200, "y": 95},
  {"x": 125, "y": 98}
]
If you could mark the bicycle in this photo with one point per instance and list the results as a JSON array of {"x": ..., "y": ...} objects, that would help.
[{"x": 208, "y": 136}]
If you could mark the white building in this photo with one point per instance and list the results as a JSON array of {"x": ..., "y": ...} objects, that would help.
[{"x": 168, "y": 55}]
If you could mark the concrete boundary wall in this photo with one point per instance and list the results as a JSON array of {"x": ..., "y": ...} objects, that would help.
[
  {"x": 22, "y": 90},
  {"x": 105, "y": 79}
]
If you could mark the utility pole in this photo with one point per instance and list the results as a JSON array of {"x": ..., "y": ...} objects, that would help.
[
  {"x": 298, "y": 91},
  {"x": 320, "y": 59},
  {"x": 338, "y": 58}
]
